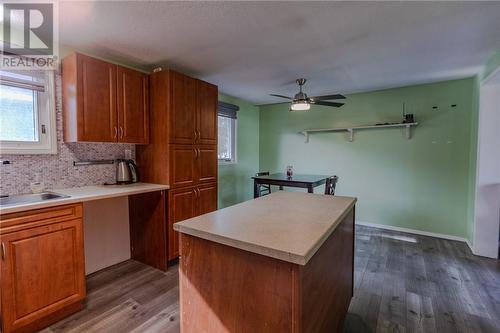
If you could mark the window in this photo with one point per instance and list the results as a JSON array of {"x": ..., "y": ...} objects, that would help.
[
  {"x": 226, "y": 151},
  {"x": 27, "y": 112}
]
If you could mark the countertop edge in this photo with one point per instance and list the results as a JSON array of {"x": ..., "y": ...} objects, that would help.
[
  {"x": 245, "y": 246},
  {"x": 82, "y": 198},
  {"x": 267, "y": 251},
  {"x": 330, "y": 231}
]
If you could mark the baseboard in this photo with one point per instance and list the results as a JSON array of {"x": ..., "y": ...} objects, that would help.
[
  {"x": 469, "y": 244},
  {"x": 416, "y": 232}
]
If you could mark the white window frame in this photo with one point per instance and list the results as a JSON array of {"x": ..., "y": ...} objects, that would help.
[
  {"x": 234, "y": 144},
  {"x": 46, "y": 116}
]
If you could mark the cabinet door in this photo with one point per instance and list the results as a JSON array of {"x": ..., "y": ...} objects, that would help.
[
  {"x": 183, "y": 109},
  {"x": 42, "y": 271},
  {"x": 207, "y": 198},
  {"x": 96, "y": 115},
  {"x": 206, "y": 166},
  {"x": 207, "y": 113},
  {"x": 133, "y": 106},
  {"x": 182, "y": 206},
  {"x": 182, "y": 165}
]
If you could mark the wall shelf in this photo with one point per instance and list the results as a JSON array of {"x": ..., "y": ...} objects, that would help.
[{"x": 351, "y": 130}]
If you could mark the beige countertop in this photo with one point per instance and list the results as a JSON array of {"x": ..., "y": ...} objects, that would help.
[
  {"x": 289, "y": 226},
  {"x": 86, "y": 193}
]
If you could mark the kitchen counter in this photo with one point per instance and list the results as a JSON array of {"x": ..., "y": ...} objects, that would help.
[
  {"x": 289, "y": 226},
  {"x": 281, "y": 263},
  {"x": 86, "y": 193}
]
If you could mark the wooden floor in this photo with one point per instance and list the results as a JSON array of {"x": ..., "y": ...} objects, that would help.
[{"x": 404, "y": 283}]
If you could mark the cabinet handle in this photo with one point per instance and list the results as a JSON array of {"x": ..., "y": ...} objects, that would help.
[
  {"x": 121, "y": 132},
  {"x": 115, "y": 129},
  {"x": 199, "y": 152},
  {"x": 195, "y": 135},
  {"x": 3, "y": 251},
  {"x": 199, "y": 135},
  {"x": 195, "y": 153}
]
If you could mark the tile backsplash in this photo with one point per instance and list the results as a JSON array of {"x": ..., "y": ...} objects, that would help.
[{"x": 57, "y": 171}]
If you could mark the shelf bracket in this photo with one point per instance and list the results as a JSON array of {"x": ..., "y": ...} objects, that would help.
[
  {"x": 351, "y": 134},
  {"x": 408, "y": 132},
  {"x": 306, "y": 135}
]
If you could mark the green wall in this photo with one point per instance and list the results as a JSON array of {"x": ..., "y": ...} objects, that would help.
[
  {"x": 423, "y": 183},
  {"x": 235, "y": 184}
]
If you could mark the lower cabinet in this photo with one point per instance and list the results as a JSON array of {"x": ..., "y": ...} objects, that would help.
[
  {"x": 185, "y": 203},
  {"x": 42, "y": 267},
  {"x": 207, "y": 198}
]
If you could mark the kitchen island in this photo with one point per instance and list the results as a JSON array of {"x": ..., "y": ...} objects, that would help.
[{"x": 279, "y": 263}]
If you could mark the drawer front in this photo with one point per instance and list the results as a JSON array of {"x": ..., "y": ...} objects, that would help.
[{"x": 38, "y": 217}]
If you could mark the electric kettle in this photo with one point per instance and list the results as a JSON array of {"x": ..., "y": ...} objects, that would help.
[{"x": 126, "y": 172}]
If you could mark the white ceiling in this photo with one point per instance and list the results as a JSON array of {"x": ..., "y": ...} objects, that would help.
[{"x": 252, "y": 49}]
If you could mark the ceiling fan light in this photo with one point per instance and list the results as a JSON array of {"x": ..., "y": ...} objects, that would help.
[{"x": 300, "y": 106}]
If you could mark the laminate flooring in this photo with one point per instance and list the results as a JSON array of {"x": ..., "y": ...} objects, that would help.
[{"x": 403, "y": 283}]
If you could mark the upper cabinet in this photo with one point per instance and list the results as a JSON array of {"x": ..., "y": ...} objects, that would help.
[
  {"x": 183, "y": 101},
  {"x": 103, "y": 102},
  {"x": 207, "y": 113},
  {"x": 194, "y": 105},
  {"x": 132, "y": 105}
]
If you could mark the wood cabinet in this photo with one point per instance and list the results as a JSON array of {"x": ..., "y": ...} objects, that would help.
[
  {"x": 206, "y": 163},
  {"x": 148, "y": 228},
  {"x": 207, "y": 198},
  {"x": 103, "y": 102},
  {"x": 183, "y": 147},
  {"x": 183, "y": 166},
  {"x": 207, "y": 113},
  {"x": 42, "y": 267},
  {"x": 227, "y": 289},
  {"x": 185, "y": 203},
  {"x": 182, "y": 206},
  {"x": 132, "y": 105},
  {"x": 184, "y": 108}
]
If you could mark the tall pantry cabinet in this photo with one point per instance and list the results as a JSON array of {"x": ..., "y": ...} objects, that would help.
[{"x": 183, "y": 147}]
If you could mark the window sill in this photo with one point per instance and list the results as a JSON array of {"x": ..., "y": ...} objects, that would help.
[
  {"x": 28, "y": 151},
  {"x": 226, "y": 162}
]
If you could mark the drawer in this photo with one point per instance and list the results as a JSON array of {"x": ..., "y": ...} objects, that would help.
[{"x": 37, "y": 217}]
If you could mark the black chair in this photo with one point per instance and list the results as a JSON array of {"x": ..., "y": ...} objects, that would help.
[
  {"x": 331, "y": 183},
  {"x": 263, "y": 189}
]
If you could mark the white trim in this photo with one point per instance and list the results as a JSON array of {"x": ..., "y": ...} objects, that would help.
[
  {"x": 46, "y": 115},
  {"x": 234, "y": 144},
  {"x": 486, "y": 223},
  {"x": 416, "y": 232},
  {"x": 469, "y": 244},
  {"x": 490, "y": 76}
]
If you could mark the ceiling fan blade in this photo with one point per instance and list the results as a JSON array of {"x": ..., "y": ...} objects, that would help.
[
  {"x": 281, "y": 96},
  {"x": 326, "y": 97},
  {"x": 334, "y": 104}
]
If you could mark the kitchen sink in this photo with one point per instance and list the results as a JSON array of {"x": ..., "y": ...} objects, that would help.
[{"x": 30, "y": 198}]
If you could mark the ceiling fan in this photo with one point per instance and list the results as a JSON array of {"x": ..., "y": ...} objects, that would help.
[{"x": 301, "y": 102}]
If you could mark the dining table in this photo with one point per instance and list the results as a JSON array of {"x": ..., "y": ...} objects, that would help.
[{"x": 282, "y": 180}]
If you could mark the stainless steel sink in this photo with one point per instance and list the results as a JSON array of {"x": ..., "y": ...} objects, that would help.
[{"x": 30, "y": 198}]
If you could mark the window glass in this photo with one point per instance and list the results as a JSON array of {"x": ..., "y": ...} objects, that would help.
[
  {"x": 226, "y": 141},
  {"x": 18, "y": 116}
]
